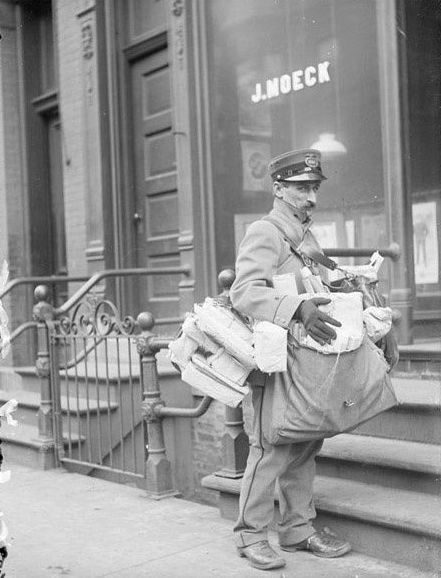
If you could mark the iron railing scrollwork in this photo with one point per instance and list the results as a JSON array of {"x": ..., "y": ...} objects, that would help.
[{"x": 99, "y": 319}]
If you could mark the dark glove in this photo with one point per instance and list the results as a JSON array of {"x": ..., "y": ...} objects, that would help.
[{"x": 315, "y": 321}]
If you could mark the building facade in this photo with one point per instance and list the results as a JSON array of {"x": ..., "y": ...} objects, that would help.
[{"x": 136, "y": 133}]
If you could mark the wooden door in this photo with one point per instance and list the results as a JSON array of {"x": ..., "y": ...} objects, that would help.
[{"x": 155, "y": 182}]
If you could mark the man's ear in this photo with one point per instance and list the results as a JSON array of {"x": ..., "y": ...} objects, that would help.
[{"x": 277, "y": 189}]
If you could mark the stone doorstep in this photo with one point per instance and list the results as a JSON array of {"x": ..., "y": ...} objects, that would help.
[
  {"x": 31, "y": 400},
  {"x": 384, "y": 452},
  {"x": 27, "y": 435},
  {"x": 400, "y": 509},
  {"x": 404, "y": 510},
  {"x": 425, "y": 351},
  {"x": 111, "y": 372},
  {"x": 421, "y": 394},
  {"x": 409, "y": 519}
]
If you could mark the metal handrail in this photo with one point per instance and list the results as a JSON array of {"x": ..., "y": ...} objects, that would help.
[
  {"x": 21, "y": 329},
  {"x": 81, "y": 355},
  {"x": 392, "y": 252},
  {"x": 91, "y": 282},
  {"x": 97, "y": 277},
  {"x": 39, "y": 279}
]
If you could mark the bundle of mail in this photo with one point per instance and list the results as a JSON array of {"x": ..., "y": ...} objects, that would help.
[
  {"x": 215, "y": 352},
  {"x": 345, "y": 307},
  {"x": 218, "y": 349}
]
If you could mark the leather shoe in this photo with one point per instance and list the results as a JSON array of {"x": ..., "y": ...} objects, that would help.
[
  {"x": 260, "y": 555},
  {"x": 324, "y": 544}
]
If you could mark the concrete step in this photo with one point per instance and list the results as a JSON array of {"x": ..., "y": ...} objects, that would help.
[
  {"x": 391, "y": 463},
  {"x": 77, "y": 408},
  {"x": 420, "y": 360},
  {"x": 416, "y": 418},
  {"x": 396, "y": 525},
  {"x": 101, "y": 425},
  {"x": 22, "y": 445},
  {"x": 87, "y": 379}
]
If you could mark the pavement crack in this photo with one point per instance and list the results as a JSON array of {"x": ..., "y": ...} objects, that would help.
[{"x": 175, "y": 553}]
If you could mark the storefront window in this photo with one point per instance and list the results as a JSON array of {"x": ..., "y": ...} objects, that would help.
[
  {"x": 288, "y": 74},
  {"x": 423, "y": 34}
]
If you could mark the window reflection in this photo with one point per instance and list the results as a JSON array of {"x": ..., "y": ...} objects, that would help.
[{"x": 285, "y": 75}]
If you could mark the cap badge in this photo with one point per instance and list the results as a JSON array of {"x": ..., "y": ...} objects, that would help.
[{"x": 311, "y": 161}]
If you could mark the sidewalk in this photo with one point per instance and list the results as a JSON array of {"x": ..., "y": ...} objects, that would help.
[{"x": 63, "y": 524}]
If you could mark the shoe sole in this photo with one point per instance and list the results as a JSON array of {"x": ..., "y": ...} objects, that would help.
[
  {"x": 269, "y": 566},
  {"x": 344, "y": 550}
]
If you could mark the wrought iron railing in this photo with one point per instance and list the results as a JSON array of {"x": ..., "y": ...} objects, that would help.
[
  {"x": 102, "y": 394},
  {"x": 79, "y": 400},
  {"x": 36, "y": 280},
  {"x": 91, "y": 282},
  {"x": 48, "y": 318}
]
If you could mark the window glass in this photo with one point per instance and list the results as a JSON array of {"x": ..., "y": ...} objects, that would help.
[
  {"x": 291, "y": 74},
  {"x": 423, "y": 33}
]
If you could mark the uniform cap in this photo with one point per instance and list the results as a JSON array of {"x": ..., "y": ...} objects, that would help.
[{"x": 301, "y": 165}]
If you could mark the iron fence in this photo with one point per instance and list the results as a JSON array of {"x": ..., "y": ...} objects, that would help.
[{"x": 97, "y": 391}]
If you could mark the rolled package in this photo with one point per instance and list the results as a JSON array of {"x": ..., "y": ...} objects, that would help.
[
  {"x": 270, "y": 347},
  {"x": 227, "y": 330}
]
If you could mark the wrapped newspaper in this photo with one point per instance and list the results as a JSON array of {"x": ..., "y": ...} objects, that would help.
[
  {"x": 378, "y": 322},
  {"x": 270, "y": 347},
  {"x": 226, "y": 328},
  {"x": 369, "y": 271},
  {"x": 346, "y": 308},
  {"x": 214, "y": 352}
]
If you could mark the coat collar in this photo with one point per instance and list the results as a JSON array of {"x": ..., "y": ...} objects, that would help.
[{"x": 289, "y": 221}]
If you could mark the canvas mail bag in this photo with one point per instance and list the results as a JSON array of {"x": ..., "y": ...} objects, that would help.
[{"x": 322, "y": 395}]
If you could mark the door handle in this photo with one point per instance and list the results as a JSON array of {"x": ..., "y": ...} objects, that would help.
[{"x": 137, "y": 218}]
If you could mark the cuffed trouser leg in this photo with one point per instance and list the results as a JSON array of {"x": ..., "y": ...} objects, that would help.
[
  {"x": 265, "y": 464},
  {"x": 295, "y": 493}
]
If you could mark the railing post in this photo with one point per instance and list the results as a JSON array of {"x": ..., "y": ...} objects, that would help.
[
  {"x": 235, "y": 443},
  {"x": 43, "y": 312},
  {"x": 159, "y": 482}
]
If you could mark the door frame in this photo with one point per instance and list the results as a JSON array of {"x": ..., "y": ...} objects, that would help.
[{"x": 186, "y": 36}]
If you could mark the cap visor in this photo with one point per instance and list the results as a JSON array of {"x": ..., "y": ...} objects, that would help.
[{"x": 306, "y": 177}]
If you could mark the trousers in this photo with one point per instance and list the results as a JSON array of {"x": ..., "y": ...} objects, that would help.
[{"x": 292, "y": 468}]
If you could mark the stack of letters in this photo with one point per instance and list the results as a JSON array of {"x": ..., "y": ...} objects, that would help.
[{"x": 215, "y": 352}]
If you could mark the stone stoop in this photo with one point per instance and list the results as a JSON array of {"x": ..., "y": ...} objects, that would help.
[
  {"x": 396, "y": 525},
  {"x": 419, "y": 360},
  {"x": 87, "y": 409},
  {"x": 380, "y": 485}
]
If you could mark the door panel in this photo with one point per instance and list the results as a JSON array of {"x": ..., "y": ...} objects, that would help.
[{"x": 155, "y": 181}]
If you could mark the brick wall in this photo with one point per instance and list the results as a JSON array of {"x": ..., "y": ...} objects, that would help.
[
  {"x": 207, "y": 445},
  {"x": 207, "y": 449},
  {"x": 13, "y": 206}
]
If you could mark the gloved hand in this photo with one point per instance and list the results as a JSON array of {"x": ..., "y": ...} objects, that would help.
[{"x": 315, "y": 321}]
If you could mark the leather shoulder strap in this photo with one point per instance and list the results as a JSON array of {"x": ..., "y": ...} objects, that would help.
[
  {"x": 302, "y": 250},
  {"x": 294, "y": 247}
]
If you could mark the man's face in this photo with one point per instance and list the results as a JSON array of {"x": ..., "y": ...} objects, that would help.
[{"x": 300, "y": 195}]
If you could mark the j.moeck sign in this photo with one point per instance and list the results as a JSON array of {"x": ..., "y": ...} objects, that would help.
[{"x": 292, "y": 82}]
